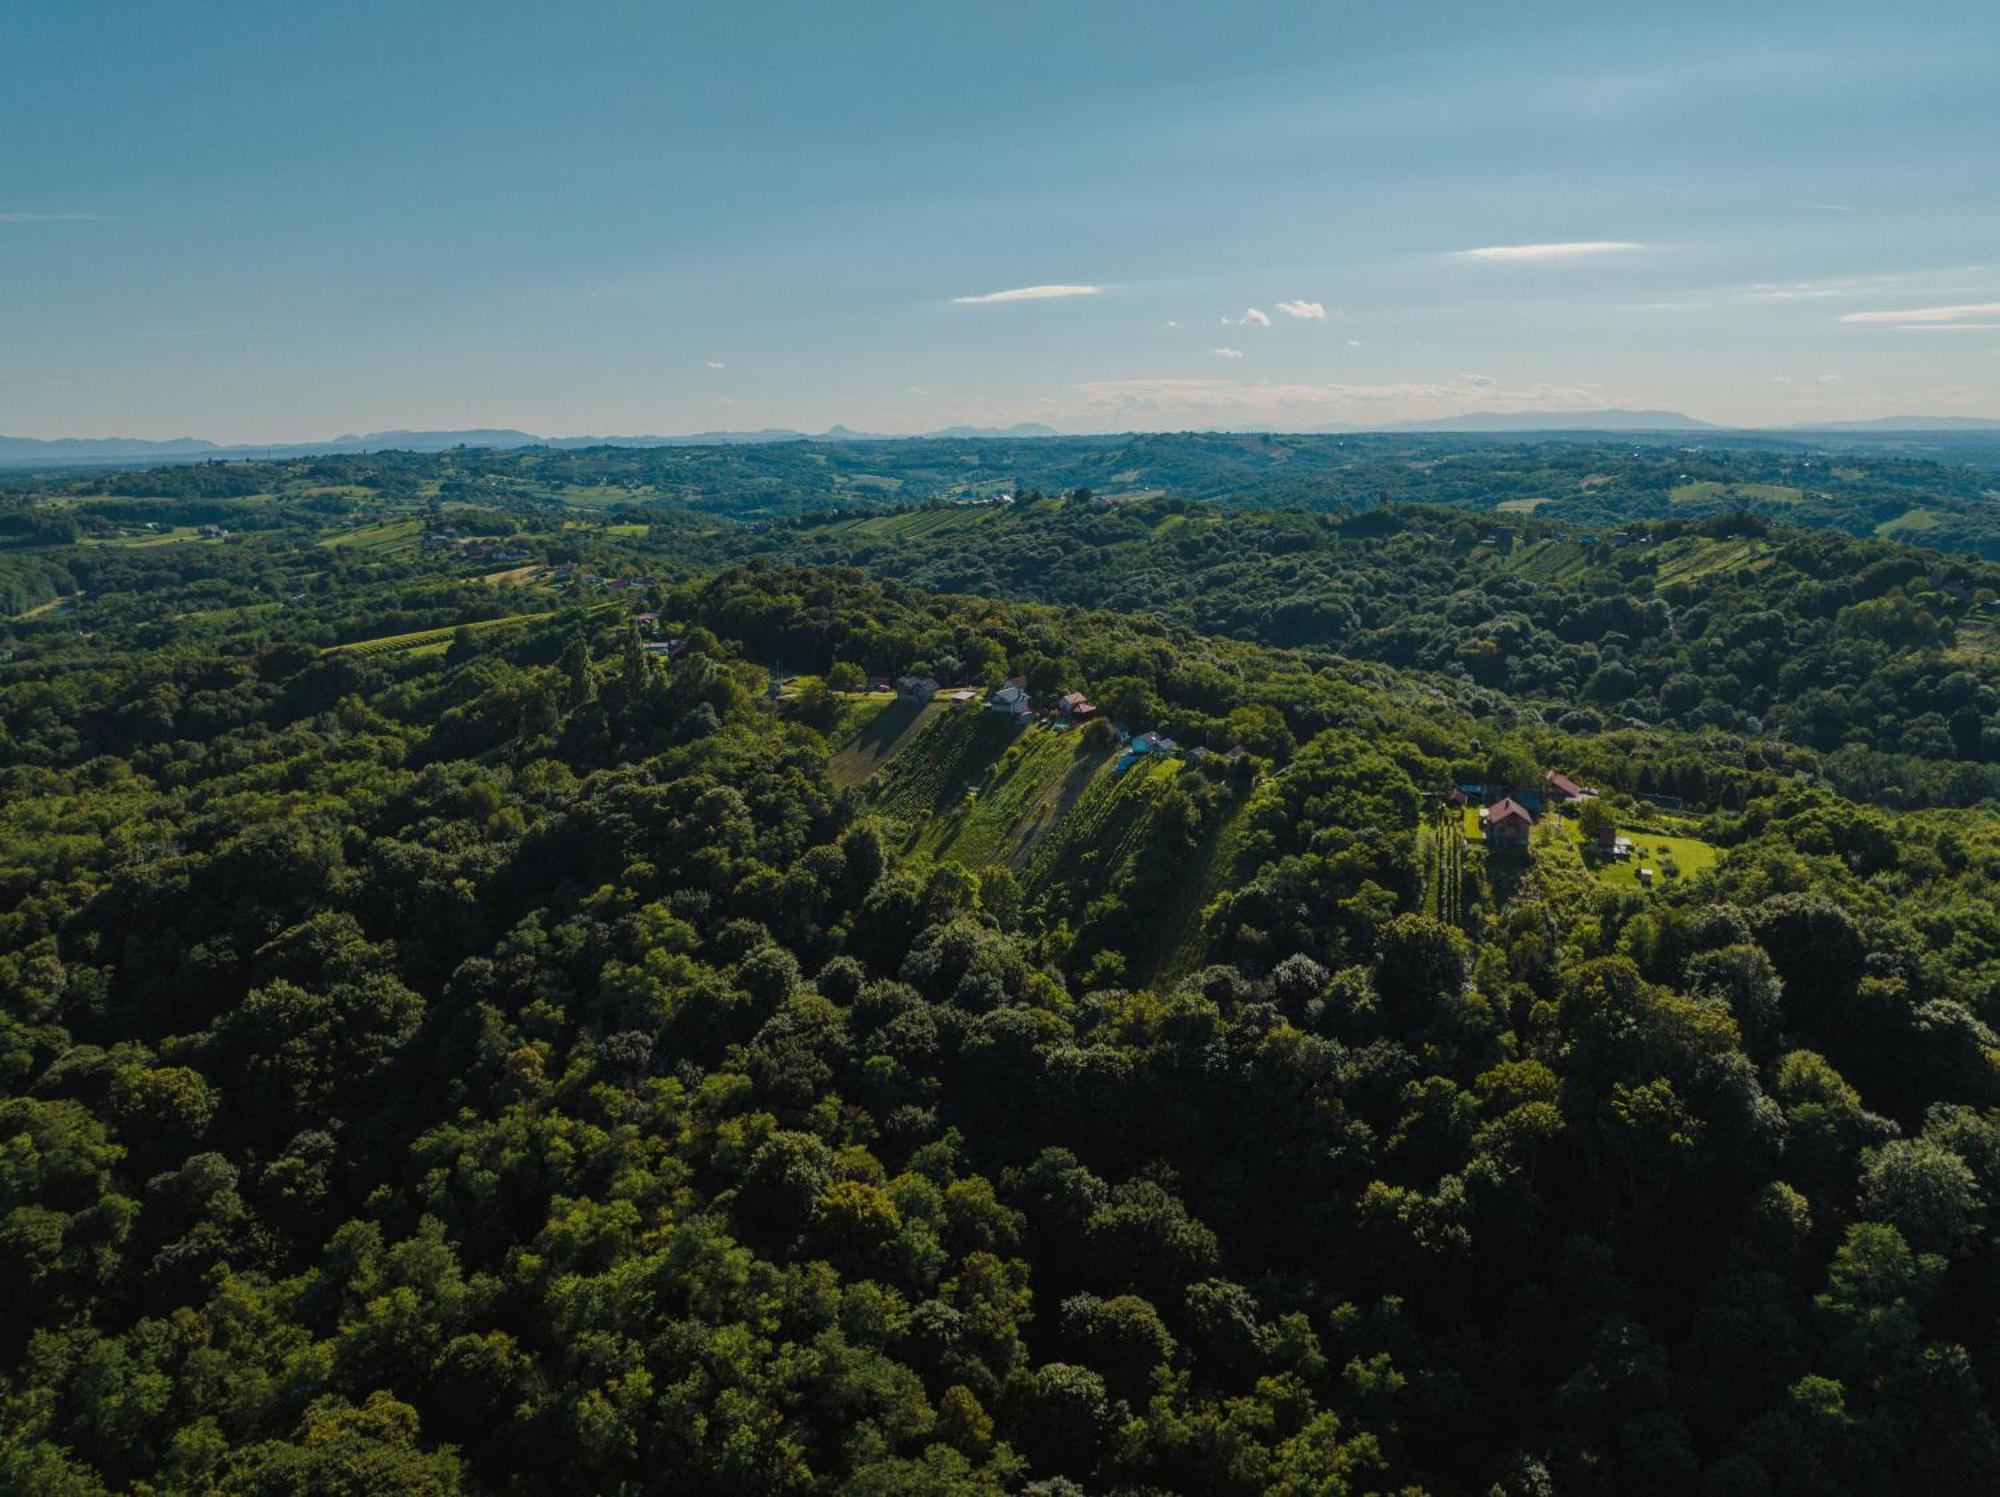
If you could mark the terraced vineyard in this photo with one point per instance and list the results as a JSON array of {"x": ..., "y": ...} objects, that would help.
[
  {"x": 1020, "y": 803},
  {"x": 426, "y": 639},
  {"x": 952, "y": 752},
  {"x": 389, "y": 537},
  {"x": 922, "y": 522},
  {"x": 1213, "y": 874},
  {"x": 1550, "y": 561},
  {"x": 1088, "y": 846},
  {"x": 1693, "y": 558},
  {"x": 1444, "y": 863}
]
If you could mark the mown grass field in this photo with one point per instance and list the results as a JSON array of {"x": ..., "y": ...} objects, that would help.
[{"x": 1687, "y": 855}]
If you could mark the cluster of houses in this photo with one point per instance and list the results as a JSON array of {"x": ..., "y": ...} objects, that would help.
[
  {"x": 665, "y": 649},
  {"x": 472, "y": 548},
  {"x": 570, "y": 572},
  {"x": 1507, "y": 815},
  {"x": 1068, "y": 709},
  {"x": 1013, "y": 698}
]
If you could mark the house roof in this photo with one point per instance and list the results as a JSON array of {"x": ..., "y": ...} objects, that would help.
[
  {"x": 1506, "y": 809},
  {"x": 1565, "y": 784}
]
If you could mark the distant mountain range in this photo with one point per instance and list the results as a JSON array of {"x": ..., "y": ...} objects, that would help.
[
  {"x": 40, "y": 452},
  {"x": 29, "y": 451}
]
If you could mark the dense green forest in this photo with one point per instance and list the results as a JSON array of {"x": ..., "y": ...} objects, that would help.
[
  {"x": 491, "y": 1001},
  {"x": 1873, "y": 654},
  {"x": 1935, "y": 490}
]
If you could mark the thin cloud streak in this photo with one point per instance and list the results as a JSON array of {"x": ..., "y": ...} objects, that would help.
[
  {"x": 1025, "y": 293},
  {"x": 1956, "y": 314},
  {"x": 1310, "y": 311},
  {"x": 1516, "y": 253},
  {"x": 56, "y": 218}
]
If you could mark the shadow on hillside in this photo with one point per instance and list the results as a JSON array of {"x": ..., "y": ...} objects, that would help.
[{"x": 1051, "y": 809}]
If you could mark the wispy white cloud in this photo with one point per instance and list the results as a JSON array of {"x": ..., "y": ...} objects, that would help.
[
  {"x": 1568, "y": 251},
  {"x": 55, "y": 218},
  {"x": 1229, "y": 353},
  {"x": 1948, "y": 327},
  {"x": 1831, "y": 379},
  {"x": 1252, "y": 317},
  {"x": 1960, "y": 313},
  {"x": 717, "y": 364},
  {"x": 1024, "y": 293},
  {"x": 1311, "y": 311},
  {"x": 1172, "y": 323},
  {"x": 1355, "y": 343}
]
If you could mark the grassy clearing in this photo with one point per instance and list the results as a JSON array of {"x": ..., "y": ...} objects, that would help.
[
  {"x": 43, "y": 610},
  {"x": 1671, "y": 856},
  {"x": 1909, "y": 522},
  {"x": 1709, "y": 490},
  {"x": 1520, "y": 506},
  {"x": 1977, "y": 636},
  {"x": 1213, "y": 871},
  {"x": 513, "y": 576},
  {"x": 166, "y": 535},
  {"x": 879, "y": 739}
]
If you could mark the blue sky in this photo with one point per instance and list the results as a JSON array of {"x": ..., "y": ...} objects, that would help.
[{"x": 256, "y": 221}]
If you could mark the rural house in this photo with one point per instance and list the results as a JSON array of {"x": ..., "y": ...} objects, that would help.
[
  {"x": 1010, "y": 699},
  {"x": 1509, "y": 822},
  {"x": 1074, "y": 704},
  {"x": 917, "y": 688},
  {"x": 1563, "y": 788}
]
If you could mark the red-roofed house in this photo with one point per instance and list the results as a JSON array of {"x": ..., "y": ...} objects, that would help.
[
  {"x": 1075, "y": 704},
  {"x": 1562, "y": 787},
  {"x": 1508, "y": 821}
]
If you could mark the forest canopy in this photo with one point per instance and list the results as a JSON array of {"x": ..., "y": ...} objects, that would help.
[{"x": 469, "y": 1027}]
